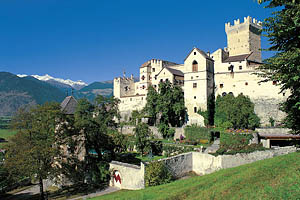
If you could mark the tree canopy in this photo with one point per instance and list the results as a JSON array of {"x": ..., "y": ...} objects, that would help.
[
  {"x": 168, "y": 102},
  {"x": 32, "y": 151},
  {"x": 282, "y": 29},
  {"x": 235, "y": 112}
]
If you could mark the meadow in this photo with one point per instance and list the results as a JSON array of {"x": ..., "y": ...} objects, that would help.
[{"x": 275, "y": 178}]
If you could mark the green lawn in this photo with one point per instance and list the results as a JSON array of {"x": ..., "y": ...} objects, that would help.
[
  {"x": 6, "y": 133},
  {"x": 275, "y": 178}
]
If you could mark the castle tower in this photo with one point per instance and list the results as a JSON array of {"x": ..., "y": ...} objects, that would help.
[{"x": 244, "y": 38}]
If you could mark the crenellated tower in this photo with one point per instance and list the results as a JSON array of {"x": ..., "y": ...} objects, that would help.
[{"x": 244, "y": 38}]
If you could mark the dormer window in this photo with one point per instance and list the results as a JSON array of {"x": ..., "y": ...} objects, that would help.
[{"x": 195, "y": 66}]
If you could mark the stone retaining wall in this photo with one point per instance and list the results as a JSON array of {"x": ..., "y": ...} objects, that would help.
[{"x": 180, "y": 164}]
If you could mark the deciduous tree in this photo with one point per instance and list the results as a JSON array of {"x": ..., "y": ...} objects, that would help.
[{"x": 282, "y": 29}]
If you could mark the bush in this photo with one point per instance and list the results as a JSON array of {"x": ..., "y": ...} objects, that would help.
[
  {"x": 196, "y": 133},
  {"x": 171, "y": 150},
  {"x": 156, "y": 147},
  {"x": 234, "y": 141},
  {"x": 157, "y": 173},
  {"x": 166, "y": 131}
]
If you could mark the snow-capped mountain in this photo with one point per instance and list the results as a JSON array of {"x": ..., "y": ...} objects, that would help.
[{"x": 58, "y": 82}]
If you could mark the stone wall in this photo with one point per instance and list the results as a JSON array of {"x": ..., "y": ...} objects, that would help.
[
  {"x": 180, "y": 164},
  {"x": 205, "y": 163},
  {"x": 273, "y": 130},
  {"x": 131, "y": 177}
]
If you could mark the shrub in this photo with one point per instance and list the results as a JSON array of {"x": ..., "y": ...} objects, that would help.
[
  {"x": 156, "y": 147},
  {"x": 166, "y": 131},
  {"x": 171, "y": 150},
  {"x": 157, "y": 173},
  {"x": 196, "y": 133},
  {"x": 234, "y": 141}
]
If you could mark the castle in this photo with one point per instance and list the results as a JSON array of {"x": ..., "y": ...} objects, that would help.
[{"x": 225, "y": 71}]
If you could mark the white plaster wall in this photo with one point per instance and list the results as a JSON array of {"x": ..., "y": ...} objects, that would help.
[{"x": 132, "y": 176}]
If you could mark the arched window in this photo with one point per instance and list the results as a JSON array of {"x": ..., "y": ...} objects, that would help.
[
  {"x": 195, "y": 66},
  {"x": 224, "y": 94},
  {"x": 230, "y": 93}
]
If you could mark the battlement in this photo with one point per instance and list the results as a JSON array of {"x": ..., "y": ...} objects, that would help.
[{"x": 247, "y": 21}]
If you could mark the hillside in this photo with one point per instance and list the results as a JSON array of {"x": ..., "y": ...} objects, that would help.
[
  {"x": 16, "y": 92},
  {"x": 275, "y": 178},
  {"x": 94, "y": 89}
]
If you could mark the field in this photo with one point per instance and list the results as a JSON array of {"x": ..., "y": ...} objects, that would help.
[
  {"x": 6, "y": 133},
  {"x": 275, "y": 178}
]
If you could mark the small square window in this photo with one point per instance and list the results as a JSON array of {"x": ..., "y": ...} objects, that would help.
[
  {"x": 240, "y": 67},
  {"x": 194, "y": 85},
  {"x": 221, "y": 85}
]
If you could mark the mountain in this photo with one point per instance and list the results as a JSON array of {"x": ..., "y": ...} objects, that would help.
[
  {"x": 97, "y": 88},
  {"x": 16, "y": 92},
  {"x": 58, "y": 82}
]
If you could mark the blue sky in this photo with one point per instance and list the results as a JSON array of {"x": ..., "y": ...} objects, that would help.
[{"x": 95, "y": 40}]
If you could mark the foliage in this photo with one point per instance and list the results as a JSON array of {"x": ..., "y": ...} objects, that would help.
[
  {"x": 32, "y": 151},
  {"x": 282, "y": 30},
  {"x": 234, "y": 141},
  {"x": 196, "y": 133},
  {"x": 156, "y": 147},
  {"x": 157, "y": 173},
  {"x": 142, "y": 137},
  {"x": 120, "y": 141},
  {"x": 171, "y": 150},
  {"x": 91, "y": 130},
  {"x": 236, "y": 111},
  {"x": 272, "y": 121},
  {"x": 168, "y": 102},
  {"x": 274, "y": 178},
  {"x": 136, "y": 116},
  {"x": 208, "y": 114},
  {"x": 166, "y": 131}
]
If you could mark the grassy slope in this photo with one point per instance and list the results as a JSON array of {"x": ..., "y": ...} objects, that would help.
[{"x": 275, "y": 178}]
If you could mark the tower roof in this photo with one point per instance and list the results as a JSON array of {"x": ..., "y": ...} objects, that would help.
[{"x": 68, "y": 106}]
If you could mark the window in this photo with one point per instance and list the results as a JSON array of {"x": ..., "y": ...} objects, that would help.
[
  {"x": 224, "y": 94},
  {"x": 195, "y": 109},
  {"x": 195, "y": 97},
  {"x": 143, "y": 87},
  {"x": 195, "y": 66},
  {"x": 153, "y": 69},
  {"x": 240, "y": 67},
  {"x": 143, "y": 77},
  {"x": 230, "y": 68},
  {"x": 154, "y": 86},
  {"x": 195, "y": 53},
  {"x": 130, "y": 99},
  {"x": 142, "y": 98},
  {"x": 246, "y": 83},
  {"x": 230, "y": 93},
  {"x": 274, "y": 82},
  {"x": 283, "y": 94},
  {"x": 221, "y": 85},
  {"x": 194, "y": 85},
  {"x": 191, "y": 77},
  {"x": 167, "y": 80},
  {"x": 161, "y": 80}
]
